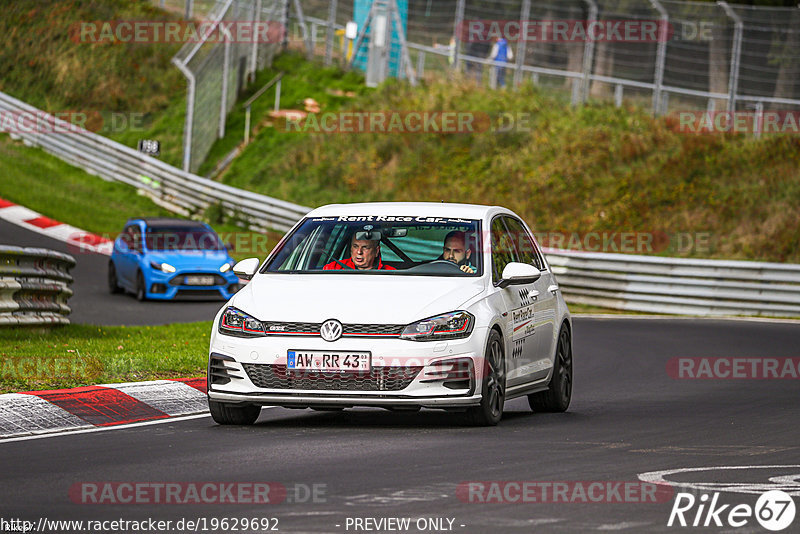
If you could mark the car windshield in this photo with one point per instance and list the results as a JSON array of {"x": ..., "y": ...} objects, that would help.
[
  {"x": 176, "y": 239},
  {"x": 405, "y": 245}
]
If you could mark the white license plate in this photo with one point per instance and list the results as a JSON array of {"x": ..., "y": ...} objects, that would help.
[
  {"x": 323, "y": 360},
  {"x": 199, "y": 280}
]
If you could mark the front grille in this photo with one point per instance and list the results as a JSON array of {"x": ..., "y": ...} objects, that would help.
[
  {"x": 198, "y": 293},
  {"x": 350, "y": 330},
  {"x": 378, "y": 379}
]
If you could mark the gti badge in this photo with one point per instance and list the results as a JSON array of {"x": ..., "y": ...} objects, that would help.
[{"x": 331, "y": 330}]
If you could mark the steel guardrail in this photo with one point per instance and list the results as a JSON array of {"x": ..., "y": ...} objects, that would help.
[
  {"x": 656, "y": 284},
  {"x": 162, "y": 182},
  {"x": 34, "y": 286}
]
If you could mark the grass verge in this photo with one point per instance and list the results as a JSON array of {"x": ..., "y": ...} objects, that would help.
[
  {"x": 78, "y": 355},
  {"x": 125, "y": 90},
  {"x": 44, "y": 183}
]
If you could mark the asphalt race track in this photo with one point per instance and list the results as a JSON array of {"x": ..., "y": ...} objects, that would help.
[
  {"x": 93, "y": 304},
  {"x": 628, "y": 417}
]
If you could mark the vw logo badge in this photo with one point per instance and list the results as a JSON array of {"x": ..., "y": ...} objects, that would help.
[{"x": 331, "y": 330}]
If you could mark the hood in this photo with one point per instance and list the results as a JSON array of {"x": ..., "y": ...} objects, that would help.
[
  {"x": 372, "y": 299},
  {"x": 191, "y": 259}
]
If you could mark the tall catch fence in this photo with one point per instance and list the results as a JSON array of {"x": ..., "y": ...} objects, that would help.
[
  {"x": 218, "y": 66},
  {"x": 710, "y": 56},
  {"x": 697, "y": 55}
]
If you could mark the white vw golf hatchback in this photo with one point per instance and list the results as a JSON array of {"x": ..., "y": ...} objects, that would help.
[{"x": 394, "y": 305}]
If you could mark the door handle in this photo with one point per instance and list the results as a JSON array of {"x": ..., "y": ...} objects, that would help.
[{"x": 553, "y": 289}]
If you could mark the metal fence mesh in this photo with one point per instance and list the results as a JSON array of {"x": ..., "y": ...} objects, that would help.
[
  {"x": 706, "y": 55},
  {"x": 715, "y": 56},
  {"x": 217, "y": 70}
]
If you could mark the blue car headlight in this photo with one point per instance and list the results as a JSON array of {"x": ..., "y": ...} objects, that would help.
[
  {"x": 163, "y": 267},
  {"x": 237, "y": 323},
  {"x": 453, "y": 325}
]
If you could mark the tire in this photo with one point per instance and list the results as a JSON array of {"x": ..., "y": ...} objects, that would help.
[
  {"x": 493, "y": 388},
  {"x": 141, "y": 293},
  {"x": 226, "y": 414},
  {"x": 559, "y": 393},
  {"x": 113, "y": 283}
]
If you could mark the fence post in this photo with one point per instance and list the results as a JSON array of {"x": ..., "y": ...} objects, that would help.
[
  {"x": 420, "y": 64},
  {"x": 226, "y": 67},
  {"x": 459, "y": 22},
  {"x": 405, "y": 58},
  {"x": 188, "y": 124},
  {"x": 284, "y": 5},
  {"x": 575, "y": 98},
  {"x": 758, "y": 119},
  {"x": 588, "y": 52},
  {"x": 298, "y": 10},
  {"x": 736, "y": 53},
  {"x": 188, "y": 9},
  {"x": 254, "y": 53},
  {"x": 661, "y": 55},
  {"x": 332, "y": 6},
  {"x": 522, "y": 44}
]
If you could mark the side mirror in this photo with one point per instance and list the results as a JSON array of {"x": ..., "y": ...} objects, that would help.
[
  {"x": 519, "y": 273},
  {"x": 246, "y": 269}
]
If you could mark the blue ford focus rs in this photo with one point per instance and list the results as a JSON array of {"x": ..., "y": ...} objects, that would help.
[{"x": 161, "y": 258}]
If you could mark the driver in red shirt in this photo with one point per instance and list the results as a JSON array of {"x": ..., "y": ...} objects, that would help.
[{"x": 365, "y": 254}]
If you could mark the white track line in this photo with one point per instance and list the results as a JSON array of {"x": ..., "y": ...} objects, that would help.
[{"x": 116, "y": 427}]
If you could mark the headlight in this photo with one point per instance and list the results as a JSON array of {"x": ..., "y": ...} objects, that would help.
[
  {"x": 453, "y": 325},
  {"x": 225, "y": 268},
  {"x": 237, "y": 323},
  {"x": 163, "y": 267}
]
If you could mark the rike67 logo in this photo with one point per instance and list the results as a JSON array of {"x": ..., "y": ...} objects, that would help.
[{"x": 774, "y": 510}]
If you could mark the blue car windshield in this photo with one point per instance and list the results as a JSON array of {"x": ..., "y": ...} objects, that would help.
[
  {"x": 177, "y": 239},
  {"x": 400, "y": 245}
]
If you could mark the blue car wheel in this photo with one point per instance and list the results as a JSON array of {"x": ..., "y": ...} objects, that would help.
[
  {"x": 141, "y": 293},
  {"x": 113, "y": 283}
]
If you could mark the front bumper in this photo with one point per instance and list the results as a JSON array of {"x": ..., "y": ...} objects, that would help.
[
  {"x": 167, "y": 286},
  {"x": 432, "y": 385},
  {"x": 309, "y": 400}
]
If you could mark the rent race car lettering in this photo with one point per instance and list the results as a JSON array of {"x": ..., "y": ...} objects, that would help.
[{"x": 390, "y": 218}]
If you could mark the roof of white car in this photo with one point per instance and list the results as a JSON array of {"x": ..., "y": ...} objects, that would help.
[{"x": 432, "y": 209}]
